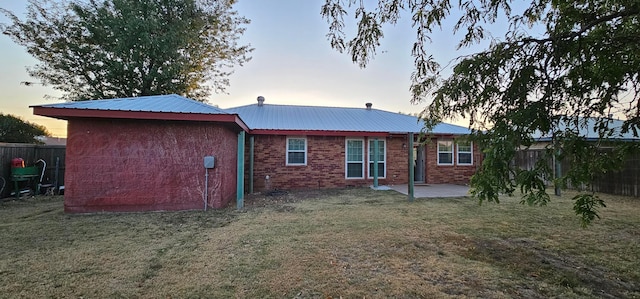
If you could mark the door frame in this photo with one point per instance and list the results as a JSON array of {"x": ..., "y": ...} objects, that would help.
[{"x": 420, "y": 165}]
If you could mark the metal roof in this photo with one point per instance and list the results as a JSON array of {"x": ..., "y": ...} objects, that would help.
[
  {"x": 162, "y": 107},
  {"x": 586, "y": 127},
  {"x": 313, "y": 118},
  {"x": 172, "y": 103},
  {"x": 256, "y": 117}
]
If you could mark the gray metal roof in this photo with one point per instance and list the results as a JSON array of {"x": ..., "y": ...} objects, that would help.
[
  {"x": 172, "y": 103},
  {"x": 273, "y": 117},
  {"x": 586, "y": 127},
  {"x": 312, "y": 118}
]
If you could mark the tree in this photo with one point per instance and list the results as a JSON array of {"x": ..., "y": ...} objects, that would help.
[
  {"x": 579, "y": 65},
  {"x": 15, "y": 130},
  {"x": 95, "y": 49}
]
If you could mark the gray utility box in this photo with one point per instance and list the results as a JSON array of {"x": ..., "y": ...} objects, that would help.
[{"x": 209, "y": 162}]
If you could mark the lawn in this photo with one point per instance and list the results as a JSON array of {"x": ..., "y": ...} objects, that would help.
[{"x": 354, "y": 243}]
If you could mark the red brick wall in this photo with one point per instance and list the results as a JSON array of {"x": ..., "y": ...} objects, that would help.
[
  {"x": 325, "y": 164},
  {"x": 449, "y": 174},
  {"x": 135, "y": 165},
  {"x": 397, "y": 161}
]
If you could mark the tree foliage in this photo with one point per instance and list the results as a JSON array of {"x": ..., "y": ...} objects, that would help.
[
  {"x": 15, "y": 130},
  {"x": 100, "y": 49},
  {"x": 561, "y": 68}
]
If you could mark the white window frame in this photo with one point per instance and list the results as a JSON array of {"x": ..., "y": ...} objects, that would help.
[
  {"x": 296, "y": 151},
  {"x": 384, "y": 158},
  {"x": 470, "y": 152},
  {"x": 346, "y": 158},
  {"x": 451, "y": 152}
]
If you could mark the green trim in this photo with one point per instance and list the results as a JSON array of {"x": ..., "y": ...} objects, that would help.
[{"x": 240, "y": 176}]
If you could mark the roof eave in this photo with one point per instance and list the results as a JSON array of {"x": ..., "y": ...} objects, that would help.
[
  {"x": 69, "y": 113},
  {"x": 318, "y": 133},
  {"x": 338, "y": 133}
]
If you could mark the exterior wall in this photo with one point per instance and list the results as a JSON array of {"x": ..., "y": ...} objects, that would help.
[
  {"x": 449, "y": 174},
  {"x": 135, "y": 165},
  {"x": 397, "y": 161},
  {"x": 325, "y": 164}
]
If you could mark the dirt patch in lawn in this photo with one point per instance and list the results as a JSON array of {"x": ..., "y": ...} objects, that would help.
[{"x": 528, "y": 259}]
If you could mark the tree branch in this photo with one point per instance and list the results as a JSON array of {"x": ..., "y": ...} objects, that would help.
[{"x": 621, "y": 14}]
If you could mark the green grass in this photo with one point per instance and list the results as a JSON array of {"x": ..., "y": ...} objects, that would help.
[{"x": 354, "y": 243}]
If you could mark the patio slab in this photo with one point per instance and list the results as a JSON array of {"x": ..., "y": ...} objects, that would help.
[{"x": 434, "y": 190}]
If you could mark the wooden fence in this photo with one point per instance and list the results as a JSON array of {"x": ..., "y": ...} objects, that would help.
[
  {"x": 625, "y": 181},
  {"x": 53, "y": 155}
]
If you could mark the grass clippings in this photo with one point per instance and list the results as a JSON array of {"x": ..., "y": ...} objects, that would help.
[{"x": 353, "y": 243}]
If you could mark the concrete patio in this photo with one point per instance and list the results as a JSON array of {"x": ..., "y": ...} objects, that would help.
[{"x": 434, "y": 190}]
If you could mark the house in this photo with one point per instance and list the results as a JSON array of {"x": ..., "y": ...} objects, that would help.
[
  {"x": 47, "y": 140},
  {"x": 625, "y": 181},
  {"x": 300, "y": 147},
  {"x": 146, "y": 153}
]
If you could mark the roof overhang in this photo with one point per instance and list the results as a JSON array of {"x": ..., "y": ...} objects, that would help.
[
  {"x": 339, "y": 133},
  {"x": 318, "y": 133},
  {"x": 68, "y": 113}
]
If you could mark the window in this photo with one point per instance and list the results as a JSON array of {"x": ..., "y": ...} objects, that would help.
[
  {"x": 381, "y": 158},
  {"x": 445, "y": 152},
  {"x": 296, "y": 151},
  {"x": 465, "y": 153},
  {"x": 354, "y": 159}
]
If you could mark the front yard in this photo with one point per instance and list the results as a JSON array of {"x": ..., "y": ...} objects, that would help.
[{"x": 354, "y": 243}]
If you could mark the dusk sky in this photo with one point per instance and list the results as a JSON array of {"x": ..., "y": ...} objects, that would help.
[{"x": 292, "y": 64}]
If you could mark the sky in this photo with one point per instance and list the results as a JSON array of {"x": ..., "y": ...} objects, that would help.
[{"x": 292, "y": 64}]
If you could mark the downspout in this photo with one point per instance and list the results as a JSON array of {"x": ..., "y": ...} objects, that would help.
[
  {"x": 411, "y": 174},
  {"x": 240, "y": 176}
]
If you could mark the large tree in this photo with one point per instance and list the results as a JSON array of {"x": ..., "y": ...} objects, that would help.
[
  {"x": 560, "y": 68},
  {"x": 15, "y": 130},
  {"x": 100, "y": 49}
]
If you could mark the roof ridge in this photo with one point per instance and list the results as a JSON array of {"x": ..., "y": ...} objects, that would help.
[
  {"x": 199, "y": 103},
  {"x": 125, "y": 99},
  {"x": 277, "y": 117},
  {"x": 173, "y": 95},
  {"x": 316, "y": 107},
  {"x": 183, "y": 98}
]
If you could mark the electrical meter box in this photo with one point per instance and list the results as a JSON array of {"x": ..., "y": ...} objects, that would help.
[{"x": 209, "y": 161}]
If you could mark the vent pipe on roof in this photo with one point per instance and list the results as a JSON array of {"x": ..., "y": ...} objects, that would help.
[
  {"x": 368, "y": 106},
  {"x": 260, "y": 101}
]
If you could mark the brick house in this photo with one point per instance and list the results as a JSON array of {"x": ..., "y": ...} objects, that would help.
[
  {"x": 146, "y": 153},
  {"x": 299, "y": 147}
]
